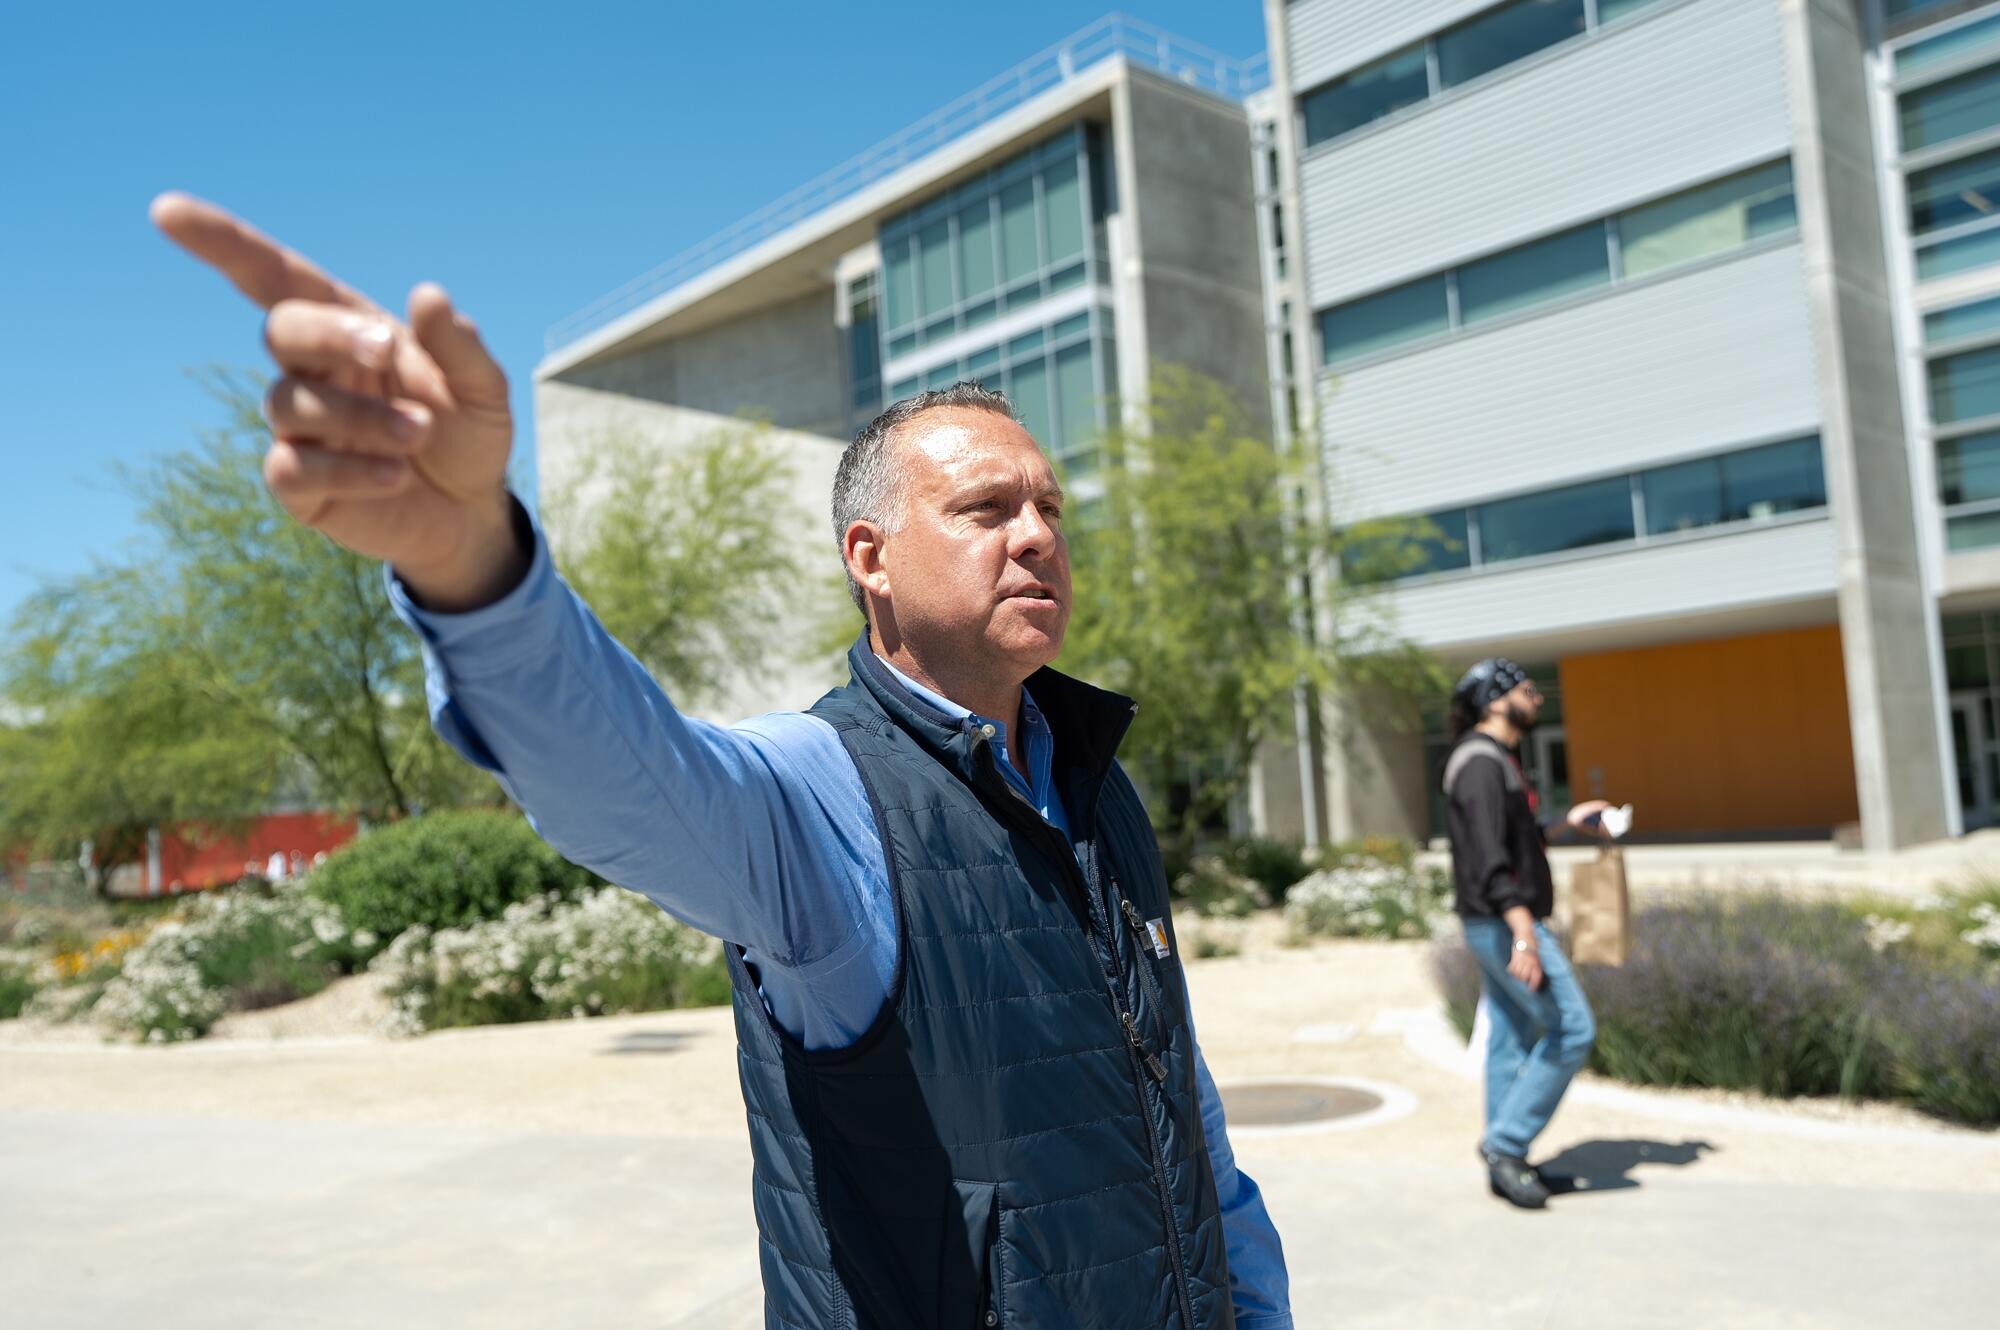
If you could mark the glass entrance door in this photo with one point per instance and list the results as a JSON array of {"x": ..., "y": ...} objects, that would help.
[
  {"x": 1549, "y": 753},
  {"x": 1975, "y": 746}
]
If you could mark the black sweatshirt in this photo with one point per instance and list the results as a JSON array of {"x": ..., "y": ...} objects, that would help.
[{"x": 1499, "y": 853}]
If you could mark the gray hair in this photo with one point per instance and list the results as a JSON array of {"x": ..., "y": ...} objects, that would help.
[{"x": 868, "y": 487}]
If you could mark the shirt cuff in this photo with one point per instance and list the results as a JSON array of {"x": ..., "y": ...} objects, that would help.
[
  {"x": 1274, "y": 1321},
  {"x": 496, "y": 638}
]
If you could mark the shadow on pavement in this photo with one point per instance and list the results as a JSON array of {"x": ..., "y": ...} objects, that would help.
[
  {"x": 1607, "y": 1165},
  {"x": 647, "y": 1041}
]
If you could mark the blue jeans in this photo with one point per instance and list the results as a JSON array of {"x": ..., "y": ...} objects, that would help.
[{"x": 1541, "y": 1036}]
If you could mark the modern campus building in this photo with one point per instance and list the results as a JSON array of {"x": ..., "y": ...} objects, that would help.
[
  {"x": 1052, "y": 233},
  {"x": 1676, "y": 322},
  {"x": 1679, "y": 321}
]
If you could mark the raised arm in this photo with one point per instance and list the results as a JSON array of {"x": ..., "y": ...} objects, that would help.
[{"x": 392, "y": 438}]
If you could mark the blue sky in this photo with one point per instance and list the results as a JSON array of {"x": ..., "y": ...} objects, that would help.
[{"x": 529, "y": 162}]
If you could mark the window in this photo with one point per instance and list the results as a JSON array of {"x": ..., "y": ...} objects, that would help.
[
  {"x": 1504, "y": 35},
  {"x": 1953, "y": 109},
  {"x": 976, "y": 267},
  {"x": 864, "y": 347},
  {"x": 1969, "y": 468},
  {"x": 1062, "y": 196},
  {"x": 1961, "y": 191},
  {"x": 1564, "y": 519},
  {"x": 1610, "y": 11},
  {"x": 1959, "y": 254},
  {"x": 1976, "y": 532},
  {"x": 934, "y": 268},
  {"x": 1397, "y": 548},
  {"x": 1398, "y": 315},
  {"x": 1366, "y": 95},
  {"x": 1020, "y": 255},
  {"x": 1965, "y": 386},
  {"x": 1028, "y": 386},
  {"x": 1709, "y": 220},
  {"x": 1685, "y": 497},
  {"x": 1076, "y": 402},
  {"x": 1762, "y": 483},
  {"x": 1532, "y": 274},
  {"x": 1947, "y": 46},
  {"x": 1962, "y": 321},
  {"x": 900, "y": 283}
]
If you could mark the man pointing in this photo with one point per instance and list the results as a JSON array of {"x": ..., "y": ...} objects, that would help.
[{"x": 974, "y": 1092}]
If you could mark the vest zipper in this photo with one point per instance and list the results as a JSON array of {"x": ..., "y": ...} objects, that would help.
[
  {"x": 1143, "y": 940},
  {"x": 1135, "y": 1045}
]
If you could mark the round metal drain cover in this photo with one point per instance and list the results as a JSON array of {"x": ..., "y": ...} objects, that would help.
[{"x": 1284, "y": 1103}]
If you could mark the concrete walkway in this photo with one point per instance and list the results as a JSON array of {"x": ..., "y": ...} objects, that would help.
[{"x": 596, "y": 1174}]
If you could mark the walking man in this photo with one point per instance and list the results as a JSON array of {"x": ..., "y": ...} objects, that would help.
[
  {"x": 974, "y": 1092},
  {"x": 1542, "y": 1027}
]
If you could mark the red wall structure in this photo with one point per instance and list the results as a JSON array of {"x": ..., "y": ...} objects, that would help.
[{"x": 186, "y": 866}]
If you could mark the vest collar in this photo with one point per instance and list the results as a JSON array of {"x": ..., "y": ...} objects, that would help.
[{"x": 1088, "y": 722}]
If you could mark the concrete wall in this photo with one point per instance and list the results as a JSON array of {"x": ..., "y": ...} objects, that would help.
[
  {"x": 1192, "y": 200},
  {"x": 795, "y": 672},
  {"x": 783, "y": 364},
  {"x": 1885, "y": 608}
]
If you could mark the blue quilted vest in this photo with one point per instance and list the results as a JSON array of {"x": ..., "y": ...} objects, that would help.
[{"x": 1016, "y": 1141}]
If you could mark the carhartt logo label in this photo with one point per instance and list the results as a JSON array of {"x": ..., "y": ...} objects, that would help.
[{"x": 1156, "y": 931}]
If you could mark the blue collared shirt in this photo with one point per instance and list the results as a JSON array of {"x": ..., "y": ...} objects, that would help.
[{"x": 758, "y": 832}]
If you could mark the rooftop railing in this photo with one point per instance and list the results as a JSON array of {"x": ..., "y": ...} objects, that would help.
[{"x": 1113, "y": 35}]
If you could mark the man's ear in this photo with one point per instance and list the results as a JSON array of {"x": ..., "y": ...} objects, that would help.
[{"x": 863, "y": 548}]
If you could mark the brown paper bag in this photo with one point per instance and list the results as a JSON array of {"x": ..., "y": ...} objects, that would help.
[{"x": 1600, "y": 910}]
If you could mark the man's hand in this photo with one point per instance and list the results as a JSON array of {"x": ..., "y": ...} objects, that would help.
[
  {"x": 1526, "y": 962},
  {"x": 1581, "y": 815},
  {"x": 391, "y": 437}
]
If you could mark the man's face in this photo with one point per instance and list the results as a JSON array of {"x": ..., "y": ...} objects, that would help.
[
  {"x": 1523, "y": 705},
  {"x": 979, "y": 567}
]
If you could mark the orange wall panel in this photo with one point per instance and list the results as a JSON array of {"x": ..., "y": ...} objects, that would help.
[{"x": 1742, "y": 734}]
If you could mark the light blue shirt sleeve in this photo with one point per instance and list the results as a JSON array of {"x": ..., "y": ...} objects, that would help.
[
  {"x": 1259, "y": 1285},
  {"x": 756, "y": 833}
]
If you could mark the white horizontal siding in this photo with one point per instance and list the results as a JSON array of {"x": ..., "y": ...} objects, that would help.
[
  {"x": 1666, "y": 368},
  {"x": 1329, "y": 37},
  {"x": 1629, "y": 114},
  {"x": 1638, "y": 584}
]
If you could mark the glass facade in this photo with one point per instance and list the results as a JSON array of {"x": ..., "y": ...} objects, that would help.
[
  {"x": 1016, "y": 235},
  {"x": 1023, "y": 234},
  {"x": 864, "y": 349},
  {"x": 1502, "y": 36},
  {"x": 1052, "y": 375},
  {"x": 1696, "y": 224},
  {"x": 1747, "y": 486}
]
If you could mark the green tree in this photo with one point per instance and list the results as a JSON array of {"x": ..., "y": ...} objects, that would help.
[
  {"x": 1191, "y": 595},
  {"x": 232, "y": 656},
  {"x": 691, "y": 557}
]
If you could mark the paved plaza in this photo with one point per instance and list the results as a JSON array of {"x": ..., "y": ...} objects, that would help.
[{"x": 585, "y": 1174}]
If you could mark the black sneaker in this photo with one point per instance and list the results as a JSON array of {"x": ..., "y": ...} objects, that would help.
[
  {"x": 1514, "y": 1182},
  {"x": 1558, "y": 1184}
]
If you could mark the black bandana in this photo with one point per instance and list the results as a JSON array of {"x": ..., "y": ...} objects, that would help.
[{"x": 1489, "y": 681}]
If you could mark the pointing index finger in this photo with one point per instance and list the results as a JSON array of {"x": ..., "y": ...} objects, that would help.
[{"x": 261, "y": 268}]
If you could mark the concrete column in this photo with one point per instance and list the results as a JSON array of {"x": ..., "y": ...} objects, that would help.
[
  {"x": 1901, "y": 768},
  {"x": 1375, "y": 779}
]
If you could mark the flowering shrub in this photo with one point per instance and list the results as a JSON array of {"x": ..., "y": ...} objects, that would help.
[
  {"x": 1214, "y": 891},
  {"x": 1369, "y": 898},
  {"x": 159, "y": 995},
  {"x": 609, "y": 951},
  {"x": 1787, "y": 998},
  {"x": 240, "y": 948},
  {"x": 443, "y": 870}
]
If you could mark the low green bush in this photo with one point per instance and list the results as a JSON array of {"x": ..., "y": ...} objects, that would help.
[
  {"x": 606, "y": 952},
  {"x": 1215, "y": 891},
  {"x": 17, "y": 984},
  {"x": 1273, "y": 865},
  {"x": 1787, "y": 997},
  {"x": 443, "y": 870}
]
